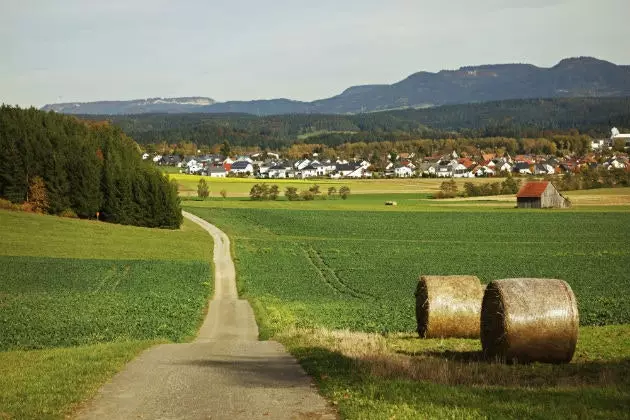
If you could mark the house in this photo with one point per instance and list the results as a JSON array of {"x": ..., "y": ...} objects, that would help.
[
  {"x": 359, "y": 172},
  {"x": 403, "y": 171},
  {"x": 145, "y": 156},
  {"x": 615, "y": 134},
  {"x": 301, "y": 164},
  {"x": 242, "y": 167},
  {"x": 157, "y": 158},
  {"x": 344, "y": 169},
  {"x": 615, "y": 163},
  {"x": 460, "y": 171},
  {"x": 308, "y": 171},
  {"x": 539, "y": 195},
  {"x": 280, "y": 170},
  {"x": 483, "y": 171},
  {"x": 216, "y": 172},
  {"x": 544, "y": 169},
  {"x": 522, "y": 168}
]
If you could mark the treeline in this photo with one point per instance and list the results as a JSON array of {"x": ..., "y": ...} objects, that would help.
[
  {"x": 587, "y": 179},
  {"x": 81, "y": 168},
  {"x": 526, "y": 118}
]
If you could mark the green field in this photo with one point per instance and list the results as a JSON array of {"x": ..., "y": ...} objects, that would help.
[
  {"x": 358, "y": 269},
  {"x": 334, "y": 281},
  {"x": 79, "y": 299}
]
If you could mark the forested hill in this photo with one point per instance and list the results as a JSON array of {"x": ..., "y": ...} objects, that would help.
[
  {"x": 572, "y": 77},
  {"x": 58, "y": 164},
  {"x": 514, "y": 118}
]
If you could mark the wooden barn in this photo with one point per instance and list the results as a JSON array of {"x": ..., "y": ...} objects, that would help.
[{"x": 540, "y": 195}]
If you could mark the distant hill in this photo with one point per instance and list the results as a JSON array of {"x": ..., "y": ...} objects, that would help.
[
  {"x": 572, "y": 77},
  {"x": 135, "y": 106},
  {"x": 510, "y": 118}
]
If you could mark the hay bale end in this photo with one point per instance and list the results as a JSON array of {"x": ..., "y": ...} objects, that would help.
[{"x": 448, "y": 306}]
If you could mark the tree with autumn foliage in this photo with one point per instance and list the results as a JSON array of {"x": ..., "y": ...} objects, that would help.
[{"x": 37, "y": 201}]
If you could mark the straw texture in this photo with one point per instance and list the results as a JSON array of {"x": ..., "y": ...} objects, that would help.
[
  {"x": 448, "y": 306},
  {"x": 529, "y": 320}
]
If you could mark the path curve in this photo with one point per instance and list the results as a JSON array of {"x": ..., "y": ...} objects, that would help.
[{"x": 226, "y": 373}]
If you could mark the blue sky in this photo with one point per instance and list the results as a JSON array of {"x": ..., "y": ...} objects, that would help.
[{"x": 79, "y": 50}]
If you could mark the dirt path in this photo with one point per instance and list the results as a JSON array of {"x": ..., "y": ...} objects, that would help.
[{"x": 226, "y": 373}]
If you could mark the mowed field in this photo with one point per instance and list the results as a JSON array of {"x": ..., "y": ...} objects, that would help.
[
  {"x": 240, "y": 187},
  {"x": 334, "y": 281},
  {"x": 78, "y": 299}
]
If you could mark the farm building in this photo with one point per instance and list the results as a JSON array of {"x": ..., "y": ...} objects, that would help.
[{"x": 540, "y": 194}]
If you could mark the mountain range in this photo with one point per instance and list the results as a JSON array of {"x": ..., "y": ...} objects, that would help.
[{"x": 571, "y": 77}]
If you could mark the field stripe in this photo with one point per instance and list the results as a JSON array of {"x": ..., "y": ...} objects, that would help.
[{"x": 330, "y": 277}]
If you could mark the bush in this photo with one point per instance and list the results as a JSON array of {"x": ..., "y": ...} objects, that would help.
[
  {"x": 69, "y": 213},
  {"x": 202, "y": 189},
  {"x": 344, "y": 192},
  {"x": 307, "y": 195},
  {"x": 7, "y": 205},
  {"x": 223, "y": 193},
  {"x": 291, "y": 194},
  {"x": 259, "y": 192},
  {"x": 274, "y": 191}
]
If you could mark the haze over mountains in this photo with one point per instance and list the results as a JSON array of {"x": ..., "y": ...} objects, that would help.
[{"x": 572, "y": 77}]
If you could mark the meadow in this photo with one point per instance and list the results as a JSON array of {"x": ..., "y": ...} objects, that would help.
[
  {"x": 334, "y": 281},
  {"x": 80, "y": 298}
]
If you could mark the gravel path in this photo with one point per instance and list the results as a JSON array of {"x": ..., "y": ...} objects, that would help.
[{"x": 226, "y": 373}]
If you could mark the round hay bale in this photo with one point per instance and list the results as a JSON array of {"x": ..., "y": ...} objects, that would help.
[
  {"x": 448, "y": 306},
  {"x": 529, "y": 320}
]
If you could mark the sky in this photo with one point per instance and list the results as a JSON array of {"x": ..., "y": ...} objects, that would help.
[{"x": 81, "y": 50}]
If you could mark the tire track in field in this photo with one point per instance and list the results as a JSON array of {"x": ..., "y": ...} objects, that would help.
[{"x": 330, "y": 277}]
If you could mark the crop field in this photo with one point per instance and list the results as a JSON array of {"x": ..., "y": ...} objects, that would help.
[
  {"x": 78, "y": 299},
  {"x": 358, "y": 270},
  {"x": 334, "y": 282}
]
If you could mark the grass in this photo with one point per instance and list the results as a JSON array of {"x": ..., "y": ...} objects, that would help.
[
  {"x": 78, "y": 299},
  {"x": 334, "y": 281},
  {"x": 359, "y": 269},
  {"x": 52, "y": 383},
  {"x": 403, "y": 377}
]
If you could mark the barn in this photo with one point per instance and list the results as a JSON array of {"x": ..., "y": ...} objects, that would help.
[{"x": 540, "y": 195}]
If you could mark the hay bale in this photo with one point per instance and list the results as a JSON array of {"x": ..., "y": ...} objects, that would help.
[
  {"x": 448, "y": 306},
  {"x": 529, "y": 320}
]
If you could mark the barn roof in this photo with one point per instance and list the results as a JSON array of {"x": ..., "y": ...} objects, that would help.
[{"x": 533, "y": 189}]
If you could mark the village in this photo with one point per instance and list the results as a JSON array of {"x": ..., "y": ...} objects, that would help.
[{"x": 269, "y": 165}]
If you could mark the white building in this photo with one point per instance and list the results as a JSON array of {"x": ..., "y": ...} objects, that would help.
[{"x": 403, "y": 172}]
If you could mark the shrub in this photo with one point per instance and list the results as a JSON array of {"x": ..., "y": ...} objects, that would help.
[
  {"x": 7, "y": 205},
  {"x": 307, "y": 195},
  {"x": 274, "y": 191},
  {"x": 223, "y": 193},
  {"x": 68, "y": 213},
  {"x": 291, "y": 194},
  {"x": 202, "y": 189},
  {"x": 344, "y": 192}
]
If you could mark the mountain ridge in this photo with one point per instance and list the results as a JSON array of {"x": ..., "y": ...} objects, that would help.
[{"x": 570, "y": 77}]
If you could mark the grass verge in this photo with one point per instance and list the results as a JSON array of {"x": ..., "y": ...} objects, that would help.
[
  {"x": 369, "y": 376},
  {"x": 51, "y": 383}
]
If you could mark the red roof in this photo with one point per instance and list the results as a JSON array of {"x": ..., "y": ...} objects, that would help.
[{"x": 533, "y": 189}]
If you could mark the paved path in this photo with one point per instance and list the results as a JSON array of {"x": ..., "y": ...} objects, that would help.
[{"x": 226, "y": 373}]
